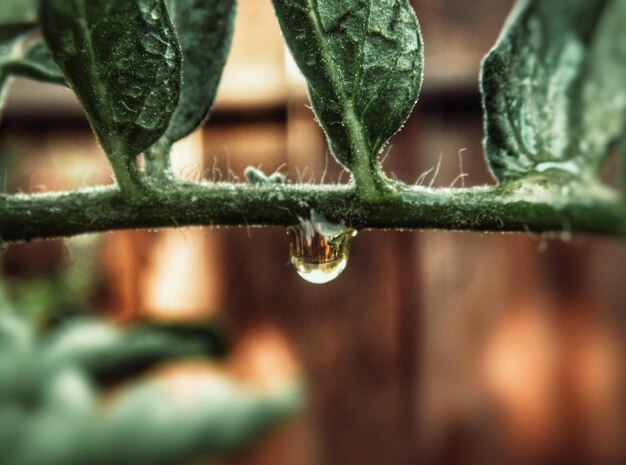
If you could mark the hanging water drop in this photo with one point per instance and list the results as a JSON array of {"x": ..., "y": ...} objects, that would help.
[{"x": 319, "y": 249}]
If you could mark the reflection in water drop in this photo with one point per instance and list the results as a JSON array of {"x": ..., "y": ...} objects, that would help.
[{"x": 318, "y": 249}]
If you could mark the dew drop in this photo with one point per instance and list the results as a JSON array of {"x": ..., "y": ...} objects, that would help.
[
  {"x": 319, "y": 249},
  {"x": 152, "y": 43}
]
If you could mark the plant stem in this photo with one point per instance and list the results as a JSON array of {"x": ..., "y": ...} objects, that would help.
[
  {"x": 369, "y": 180},
  {"x": 40, "y": 216},
  {"x": 157, "y": 160},
  {"x": 126, "y": 172}
]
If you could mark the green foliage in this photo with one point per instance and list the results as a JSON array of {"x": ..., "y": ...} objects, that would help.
[
  {"x": 23, "y": 53},
  {"x": 107, "y": 353},
  {"x": 123, "y": 61},
  {"x": 35, "y": 62},
  {"x": 204, "y": 29},
  {"x": 50, "y": 413},
  {"x": 363, "y": 63},
  {"x": 554, "y": 89},
  {"x": 132, "y": 103},
  {"x": 9, "y": 46}
]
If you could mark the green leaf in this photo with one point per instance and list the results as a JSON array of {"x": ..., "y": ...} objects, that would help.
[
  {"x": 8, "y": 49},
  {"x": 123, "y": 61},
  {"x": 34, "y": 62},
  {"x": 11, "y": 40},
  {"x": 363, "y": 62},
  {"x": 106, "y": 352},
  {"x": 51, "y": 412},
  {"x": 22, "y": 49},
  {"x": 24, "y": 53},
  {"x": 553, "y": 88},
  {"x": 18, "y": 11},
  {"x": 205, "y": 29},
  {"x": 146, "y": 423},
  {"x": 149, "y": 425}
]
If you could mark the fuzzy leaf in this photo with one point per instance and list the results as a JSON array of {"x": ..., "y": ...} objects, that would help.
[
  {"x": 123, "y": 61},
  {"x": 205, "y": 30},
  {"x": 363, "y": 63},
  {"x": 554, "y": 88}
]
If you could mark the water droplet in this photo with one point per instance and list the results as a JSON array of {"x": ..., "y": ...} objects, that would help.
[
  {"x": 152, "y": 44},
  {"x": 319, "y": 249},
  {"x": 150, "y": 116},
  {"x": 170, "y": 53},
  {"x": 405, "y": 64},
  {"x": 134, "y": 91}
]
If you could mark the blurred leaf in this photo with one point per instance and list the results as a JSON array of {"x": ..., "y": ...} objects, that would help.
[
  {"x": 10, "y": 44},
  {"x": 150, "y": 424},
  {"x": 123, "y": 61},
  {"x": 23, "y": 53},
  {"x": 363, "y": 63},
  {"x": 36, "y": 63},
  {"x": 51, "y": 414},
  {"x": 18, "y": 11},
  {"x": 554, "y": 88},
  {"x": 107, "y": 352},
  {"x": 146, "y": 425},
  {"x": 15, "y": 334}
]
